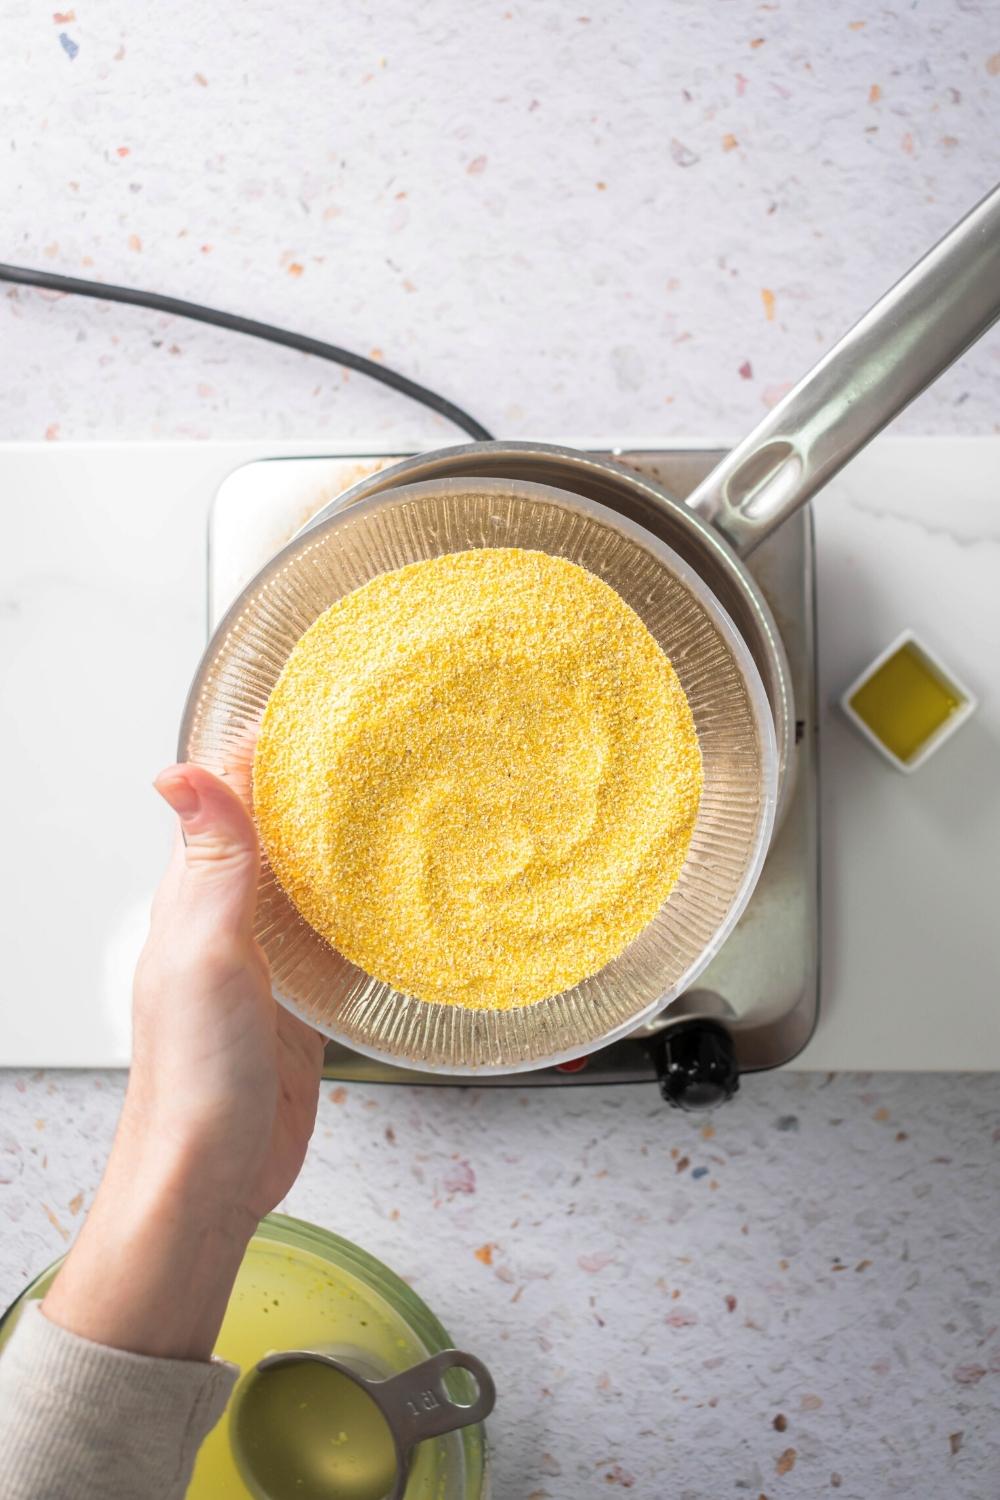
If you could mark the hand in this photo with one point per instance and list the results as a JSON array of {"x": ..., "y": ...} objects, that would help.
[
  {"x": 220, "y": 1104},
  {"x": 217, "y": 1066}
]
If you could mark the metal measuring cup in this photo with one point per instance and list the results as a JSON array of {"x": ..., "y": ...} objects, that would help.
[{"x": 293, "y": 1415}]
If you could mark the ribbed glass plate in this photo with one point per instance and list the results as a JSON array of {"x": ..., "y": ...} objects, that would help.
[{"x": 248, "y": 651}]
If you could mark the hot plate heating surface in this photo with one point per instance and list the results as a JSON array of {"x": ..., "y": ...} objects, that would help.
[{"x": 765, "y": 981}]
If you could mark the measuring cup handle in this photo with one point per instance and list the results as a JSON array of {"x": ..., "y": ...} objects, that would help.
[
  {"x": 419, "y": 1406},
  {"x": 901, "y": 344}
]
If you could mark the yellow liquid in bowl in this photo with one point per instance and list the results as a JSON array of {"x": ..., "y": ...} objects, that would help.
[
  {"x": 308, "y": 1432},
  {"x": 904, "y": 703}
]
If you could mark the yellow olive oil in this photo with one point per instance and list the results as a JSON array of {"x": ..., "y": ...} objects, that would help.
[
  {"x": 308, "y": 1431},
  {"x": 904, "y": 702}
]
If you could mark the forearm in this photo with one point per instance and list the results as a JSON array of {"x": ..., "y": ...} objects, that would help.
[
  {"x": 154, "y": 1264},
  {"x": 107, "y": 1391},
  {"x": 109, "y": 1387}
]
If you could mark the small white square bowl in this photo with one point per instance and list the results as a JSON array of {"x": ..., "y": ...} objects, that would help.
[{"x": 967, "y": 705}]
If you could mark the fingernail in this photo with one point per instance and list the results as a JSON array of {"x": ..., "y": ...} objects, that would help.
[{"x": 179, "y": 794}]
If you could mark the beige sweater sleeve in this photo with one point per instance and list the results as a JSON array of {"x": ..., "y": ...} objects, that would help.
[{"x": 79, "y": 1421}]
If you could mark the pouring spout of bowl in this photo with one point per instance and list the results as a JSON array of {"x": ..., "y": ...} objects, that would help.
[{"x": 922, "y": 325}]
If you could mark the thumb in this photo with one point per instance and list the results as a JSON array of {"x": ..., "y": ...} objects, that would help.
[{"x": 221, "y": 859}]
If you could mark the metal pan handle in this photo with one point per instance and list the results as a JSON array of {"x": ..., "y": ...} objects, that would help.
[{"x": 913, "y": 333}]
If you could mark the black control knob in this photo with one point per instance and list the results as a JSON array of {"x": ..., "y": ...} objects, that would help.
[{"x": 696, "y": 1064}]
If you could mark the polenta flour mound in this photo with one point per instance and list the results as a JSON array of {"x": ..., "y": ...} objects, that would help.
[{"x": 478, "y": 776}]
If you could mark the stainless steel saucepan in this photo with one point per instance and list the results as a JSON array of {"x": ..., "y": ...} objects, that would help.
[{"x": 674, "y": 563}]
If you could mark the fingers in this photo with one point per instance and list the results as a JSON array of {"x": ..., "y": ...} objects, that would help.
[{"x": 220, "y": 861}]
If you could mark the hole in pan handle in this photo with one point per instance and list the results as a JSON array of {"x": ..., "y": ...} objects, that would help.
[{"x": 766, "y": 481}]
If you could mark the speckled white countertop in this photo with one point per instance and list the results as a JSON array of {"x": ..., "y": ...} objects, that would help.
[
  {"x": 648, "y": 219},
  {"x": 796, "y": 1299},
  {"x": 640, "y": 217}
]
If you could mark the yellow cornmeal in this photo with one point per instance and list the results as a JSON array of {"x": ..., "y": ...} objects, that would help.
[{"x": 478, "y": 777}]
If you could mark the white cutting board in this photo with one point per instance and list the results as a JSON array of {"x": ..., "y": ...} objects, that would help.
[{"x": 102, "y": 620}]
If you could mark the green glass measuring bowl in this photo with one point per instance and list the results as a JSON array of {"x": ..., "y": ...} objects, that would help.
[{"x": 302, "y": 1288}]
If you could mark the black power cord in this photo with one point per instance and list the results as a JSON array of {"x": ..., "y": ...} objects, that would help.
[{"x": 53, "y": 281}]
